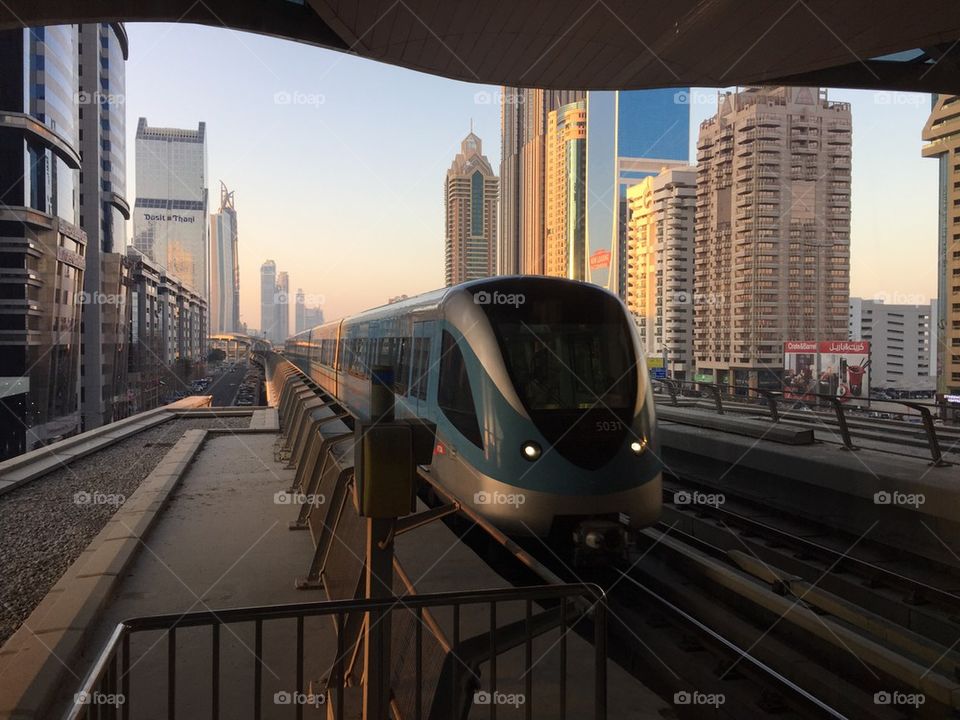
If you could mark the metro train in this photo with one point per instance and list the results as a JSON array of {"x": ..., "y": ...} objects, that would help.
[{"x": 539, "y": 390}]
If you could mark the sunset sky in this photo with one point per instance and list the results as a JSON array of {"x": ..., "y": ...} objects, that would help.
[{"x": 338, "y": 163}]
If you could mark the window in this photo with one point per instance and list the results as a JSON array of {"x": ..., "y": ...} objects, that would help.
[
  {"x": 403, "y": 366},
  {"x": 454, "y": 395},
  {"x": 421, "y": 367}
]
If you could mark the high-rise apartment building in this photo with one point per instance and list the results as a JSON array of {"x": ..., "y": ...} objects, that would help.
[
  {"x": 659, "y": 282},
  {"x": 282, "y": 305},
  {"x": 170, "y": 212},
  {"x": 902, "y": 342},
  {"x": 224, "y": 266},
  {"x": 523, "y": 125},
  {"x": 565, "y": 230},
  {"x": 268, "y": 300},
  {"x": 471, "y": 191},
  {"x": 772, "y": 230},
  {"x": 104, "y": 211},
  {"x": 942, "y": 135},
  {"x": 41, "y": 243}
]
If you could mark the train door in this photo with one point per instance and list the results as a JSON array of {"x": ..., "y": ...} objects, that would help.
[{"x": 420, "y": 366}]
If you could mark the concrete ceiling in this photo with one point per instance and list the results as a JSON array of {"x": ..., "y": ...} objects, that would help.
[{"x": 589, "y": 44}]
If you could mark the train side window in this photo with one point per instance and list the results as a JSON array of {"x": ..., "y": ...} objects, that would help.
[
  {"x": 402, "y": 365},
  {"x": 421, "y": 369},
  {"x": 454, "y": 395}
]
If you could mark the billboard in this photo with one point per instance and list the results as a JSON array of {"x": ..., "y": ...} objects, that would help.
[{"x": 839, "y": 369}]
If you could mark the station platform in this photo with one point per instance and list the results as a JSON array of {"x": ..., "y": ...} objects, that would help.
[{"x": 207, "y": 529}]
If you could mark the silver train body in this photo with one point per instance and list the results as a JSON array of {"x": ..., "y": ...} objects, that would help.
[{"x": 538, "y": 387}]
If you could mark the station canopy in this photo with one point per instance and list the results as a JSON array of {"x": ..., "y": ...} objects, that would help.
[{"x": 590, "y": 44}]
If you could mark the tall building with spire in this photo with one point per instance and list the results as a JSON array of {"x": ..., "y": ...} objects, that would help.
[
  {"x": 224, "y": 266},
  {"x": 471, "y": 191}
]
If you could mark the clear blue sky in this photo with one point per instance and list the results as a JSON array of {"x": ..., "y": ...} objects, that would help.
[{"x": 338, "y": 163}]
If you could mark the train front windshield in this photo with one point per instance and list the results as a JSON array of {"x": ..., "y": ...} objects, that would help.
[{"x": 569, "y": 353}]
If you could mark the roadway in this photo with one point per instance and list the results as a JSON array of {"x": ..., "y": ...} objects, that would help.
[{"x": 224, "y": 386}]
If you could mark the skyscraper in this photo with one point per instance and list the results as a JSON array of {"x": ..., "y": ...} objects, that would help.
[
  {"x": 903, "y": 343},
  {"x": 523, "y": 125},
  {"x": 470, "y": 196},
  {"x": 658, "y": 288},
  {"x": 104, "y": 211},
  {"x": 41, "y": 242},
  {"x": 170, "y": 212},
  {"x": 268, "y": 302},
  {"x": 224, "y": 266},
  {"x": 299, "y": 312},
  {"x": 628, "y": 135},
  {"x": 565, "y": 232},
  {"x": 282, "y": 325},
  {"x": 772, "y": 230},
  {"x": 942, "y": 135}
]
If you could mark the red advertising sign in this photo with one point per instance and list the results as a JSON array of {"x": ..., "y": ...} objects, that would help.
[
  {"x": 600, "y": 260},
  {"x": 838, "y": 368}
]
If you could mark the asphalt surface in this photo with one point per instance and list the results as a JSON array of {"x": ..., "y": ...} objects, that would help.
[{"x": 224, "y": 386}]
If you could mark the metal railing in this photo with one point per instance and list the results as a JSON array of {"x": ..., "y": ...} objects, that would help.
[
  {"x": 772, "y": 399},
  {"x": 455, "y": 691}
]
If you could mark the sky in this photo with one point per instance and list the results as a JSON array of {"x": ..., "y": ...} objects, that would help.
[{"x": 338, "y": 163}]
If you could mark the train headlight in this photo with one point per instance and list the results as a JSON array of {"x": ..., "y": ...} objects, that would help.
[
  {"x": 530, "y": 451},
  {"x": 639, "y": 446}
]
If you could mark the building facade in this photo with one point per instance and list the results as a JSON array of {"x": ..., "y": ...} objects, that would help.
[
  {"x": 942, "y": 135},
  {"x": 42, "y": 247},
  {"x": 522, "y": 224},
  {"x": 168, "y": 334},
  {"x": 306, "y": 316},
  {"x": 659, "y": 283},
  {"x": 170, "y": 211},
  {"x": 282, "y": 306},
  {"x": 268, "y": 300},
  {"x": 565, "y": 231},
  {"x": 224, "y": 266},
  {"x": 104, "y": 211},
  {"x": 772, "y": 230},
  {"x": 471, "y": 191},
  {"x": 903, "y": 342}
]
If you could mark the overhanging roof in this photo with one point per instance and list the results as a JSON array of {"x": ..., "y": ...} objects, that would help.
[{"x": 591, "y": 44}]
